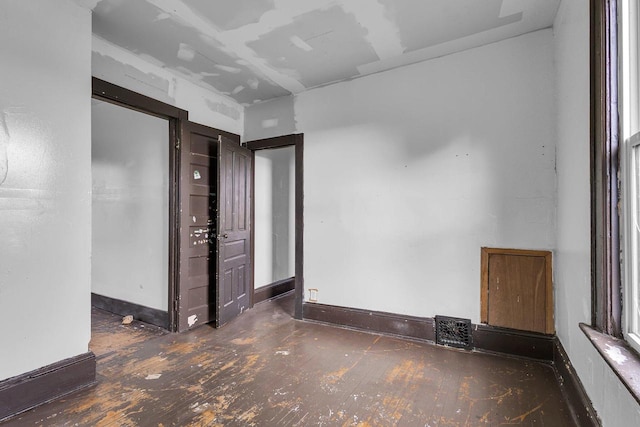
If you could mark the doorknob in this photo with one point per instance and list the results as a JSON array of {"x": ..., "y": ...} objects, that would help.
[{"x": 225, "y": 235}]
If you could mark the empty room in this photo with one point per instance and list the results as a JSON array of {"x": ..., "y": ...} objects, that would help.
[{"x": 320, "y": 212}]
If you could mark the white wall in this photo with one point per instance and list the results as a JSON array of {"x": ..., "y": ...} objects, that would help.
[
  {"x": 614, "y": 404},
  {"x": 130, "y": 205},
  {"x": 123, "y": 68},
  {"x": 45, "y": 183},
  {"x": 268, "y": 119},
  {"x": 274, "y": 215},
  {"x": 408, "y": 173}
]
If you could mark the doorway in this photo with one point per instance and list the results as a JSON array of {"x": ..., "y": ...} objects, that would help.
[
  {"x": 281, "y": 228},
  {"x": 130, "y": 212},
  {"x": 205, "y": 211},
  {"x": 215, "y": 232}
]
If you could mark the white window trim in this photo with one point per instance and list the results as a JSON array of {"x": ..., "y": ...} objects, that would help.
[{"x": 630, "y": 138}]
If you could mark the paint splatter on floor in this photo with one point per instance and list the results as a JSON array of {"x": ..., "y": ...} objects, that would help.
[{"x": 266, "y": 369}]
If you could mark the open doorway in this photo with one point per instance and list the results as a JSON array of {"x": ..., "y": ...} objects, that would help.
[
  {"x": 134, "y": 204},
  {"x": 274, "y": 221},
  {"x": 130, "y": 212},
  {"x": 278, "y": 218},
  {"x": 171, "y": 200}
]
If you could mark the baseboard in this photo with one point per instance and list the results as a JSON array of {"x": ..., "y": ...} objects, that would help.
[
  {"x": 488, "y": 338},
  {"x": 579, "y": 403},
  {"x": 513, "y": 342},
  {"x": 273, "y": 290},
  {"x": 371, "y": 321},
  {"x": 546, "y": 348},
  {"x": 31, "y": 389},
  {"x": 149, "y": 315}
]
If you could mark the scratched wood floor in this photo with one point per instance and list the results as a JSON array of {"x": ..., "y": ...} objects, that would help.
[{"x": 266, "y": 369}]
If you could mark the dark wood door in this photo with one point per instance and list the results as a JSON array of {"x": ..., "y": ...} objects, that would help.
[
  {"x": 198, "y": 204},
  {"x": 234, "y": 235}
]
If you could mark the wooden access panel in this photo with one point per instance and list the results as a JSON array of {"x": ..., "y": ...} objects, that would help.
[{"x": 516, "y": 289}]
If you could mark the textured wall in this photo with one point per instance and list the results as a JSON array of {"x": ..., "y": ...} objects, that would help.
[
  {"x": 45, "y": 183},
  {"x": 408, "y": 173}
]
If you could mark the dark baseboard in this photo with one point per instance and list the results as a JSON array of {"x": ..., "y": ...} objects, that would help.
[
  {"x": 274, "y": 290},
  {"x": 26, "y": 391},
  {"x": 487, "y": 338},
  {"x": 513, "y": 342},
  {"x": 372, "y": 321},
  {"x": 149, "y": 315},
  {"x": 577, "y": 399},
  {"x": 545, "y": 348}
]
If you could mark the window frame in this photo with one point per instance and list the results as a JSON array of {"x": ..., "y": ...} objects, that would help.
[
  {"x": 629, "y": 107},
  {"x": 605, "y": 227}
]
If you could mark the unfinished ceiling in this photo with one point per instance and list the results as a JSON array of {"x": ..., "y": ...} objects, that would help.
[{"x": 255, "y": 50}]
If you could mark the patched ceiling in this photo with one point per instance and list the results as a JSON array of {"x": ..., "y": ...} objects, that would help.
[{"x": 255, "y": 50}]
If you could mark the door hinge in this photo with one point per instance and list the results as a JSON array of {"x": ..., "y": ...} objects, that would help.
[
  {"x": 219, "y": 138},
  {"x": 177, "y": 143},
  {"x": 175, "y": 305}
]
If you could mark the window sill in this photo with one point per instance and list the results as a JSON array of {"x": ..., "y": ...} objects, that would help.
[{"x": 624, "y": 361}]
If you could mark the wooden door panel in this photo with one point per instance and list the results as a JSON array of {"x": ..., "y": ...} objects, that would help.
[
  {"x": 198, "y": 189},
  {"x": 517, "y": 290},
  {"x": 234, "y": 238}
]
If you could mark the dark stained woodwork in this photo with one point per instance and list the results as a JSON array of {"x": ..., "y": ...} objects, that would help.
[
  {"x": 513, "y": 342},
  {"x": 299, "y": 211},
  {"x": 273, "y": 290},
  {"x": 109, "y": 92},
  {"x": 118, "y": 95},
  {"x": 266, "y": 369},
  {"x": 234, "y": 231},
  {"x": 149, "y": 315},
  {"x": 198, "y": 208},
  {"x": 606, "y": 294},
  {"x": 516, "y": 289},
  {"x": 579, "y": 403},
  {"x": 487, "y": 338},
  {"x": 296, "y": 140},
  {"x": 372, "y": 321},
  {"x": 31, "y": 389}
]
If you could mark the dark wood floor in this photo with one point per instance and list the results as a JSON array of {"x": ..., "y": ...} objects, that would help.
[{"x": 266, "y": 369}]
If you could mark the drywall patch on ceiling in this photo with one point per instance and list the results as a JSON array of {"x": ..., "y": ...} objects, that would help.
[
  {"x": 88, "y": 4},
  {"x": 511, "y": 7},
  {"x": 186, "y": 52},
  {"x": 106, "y": 68},
  {"x": 230, "y": 15},
  {"x": 5, "y": 138},
  {"x": 297, "y": 41},
  {"x": 338, "y": 43},
  {"x": 455, "y": 19},
  {"x": 177, "y": 46},
  {"x": 232, "y": 45},
  {"x": 223, "y": 109},
  {"x": 382, "y": 33},
  {"x": 270, "y": 118}
]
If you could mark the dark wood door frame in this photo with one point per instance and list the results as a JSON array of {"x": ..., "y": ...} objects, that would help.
[
  {"x": 297, "y": 141},
  {"x": 117, "y": 95}
]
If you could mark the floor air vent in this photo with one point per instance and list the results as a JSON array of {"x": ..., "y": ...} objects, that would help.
[{"x": 453, "y": 332}]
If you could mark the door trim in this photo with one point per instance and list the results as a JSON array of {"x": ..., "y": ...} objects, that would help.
[
  {"x": 296, "y": 140},
  {"x": 126, "y": 98}
]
